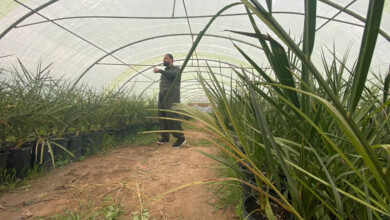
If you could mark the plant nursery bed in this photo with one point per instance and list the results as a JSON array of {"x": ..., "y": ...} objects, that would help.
[{"x": 121, "y": 183}]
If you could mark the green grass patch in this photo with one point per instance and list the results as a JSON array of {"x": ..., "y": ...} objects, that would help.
[
  {"x": 202, "y": 143},
  {"x": 191, "y": 127},
  {"x": 141, "y": 216},
  {"x": 11, "y": 181},
  {"x": 141, "y": 139},
  {"x": 86, "y": 210}
]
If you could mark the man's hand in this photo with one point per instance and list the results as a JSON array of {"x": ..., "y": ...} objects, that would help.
[{"x": 156, "y": 70}]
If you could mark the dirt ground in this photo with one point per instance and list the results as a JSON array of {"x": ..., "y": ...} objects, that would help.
[{"x": 126, "y": 178}]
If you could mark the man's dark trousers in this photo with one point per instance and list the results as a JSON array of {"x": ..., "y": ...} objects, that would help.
[{"x": 174, "y": 97}]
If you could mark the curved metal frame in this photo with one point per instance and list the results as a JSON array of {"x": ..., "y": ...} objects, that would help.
[
  {"x": 152, "y": 38},
  {"x": 26, "y": 16},
  {"x": 139, "y": 73},
  {"x": 36, "y": 10},
  {"x": 332, "y": 4},
  {"x": 179, "y": 60},
  {"x": 228, "y": 89},
  {"x": 178, "y": 17}
]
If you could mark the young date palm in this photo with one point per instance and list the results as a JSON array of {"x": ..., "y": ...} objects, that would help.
[{"x": 332, "y": 148}]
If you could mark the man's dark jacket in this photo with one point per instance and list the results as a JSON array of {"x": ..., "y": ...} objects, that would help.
[{"x": 168, "y": 77}]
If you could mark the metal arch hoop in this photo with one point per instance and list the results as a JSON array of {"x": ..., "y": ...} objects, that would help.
[
  {"x": 152, "y": 38},
  {"x": 26, "y": 16},
  {"x": 152, "y": 83},
  {"x": 178, "y": 60}
]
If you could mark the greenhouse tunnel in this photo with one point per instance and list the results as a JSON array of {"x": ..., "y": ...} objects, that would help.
[
  {"x": 115, "y": 44},
  {"x": 333, "y": 92}
]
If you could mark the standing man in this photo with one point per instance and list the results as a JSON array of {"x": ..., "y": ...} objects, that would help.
[{"x": 166, "y": 99}]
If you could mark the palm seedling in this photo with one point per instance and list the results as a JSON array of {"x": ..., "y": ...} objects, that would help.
[{"x": 321, "y": 134}]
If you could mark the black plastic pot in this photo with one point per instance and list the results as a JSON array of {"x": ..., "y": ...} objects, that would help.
[
  {"x": 116, "y": 132},
  {"x": 58, "y": 151},
  {"x": 247, "y": 190},
  {"x": 3, "y": 162},
  {"x": 274, "y": 194},
  {"x": 74, "y": 146},
  {"x": 3, "y": 159},
  {"x": 251, "y": 211},
  {"x": 123, "y": 132},
  {"x": 92, "y": 142},
  {"x": 247, "y": 174},
  {"x": 130, "y": 130},
  {"x": 109, "y": 131},
  {"x": 283, "y": 188},
  {"x": 87, "y": 142},
  {"x": 97, "y": 139},
  {"x": 46, "y": 163},
  {"x": 133, "y": 129},
  {"x": 20, "y": 159},
  {"x": 383, "y": 217},
  {"x": 249, "y": 205}
]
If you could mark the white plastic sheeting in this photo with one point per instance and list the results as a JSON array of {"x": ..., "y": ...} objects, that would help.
[
  {"x": 207, "y": 109},
  {"x": 115, "y": 43}
]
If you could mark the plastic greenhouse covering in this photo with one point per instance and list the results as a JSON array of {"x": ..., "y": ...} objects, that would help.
[{"x": 115, "y": 44}]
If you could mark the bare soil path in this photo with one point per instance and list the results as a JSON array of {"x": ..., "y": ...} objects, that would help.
[{"x": 121, "y": 182}]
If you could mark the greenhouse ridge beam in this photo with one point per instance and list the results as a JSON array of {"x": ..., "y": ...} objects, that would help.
[
  {"x": 152, "y": 38},
  {"x": 33, "y": 11},
  {"x": 71, "y": 32},
  {"x": 178, "y": 17}
]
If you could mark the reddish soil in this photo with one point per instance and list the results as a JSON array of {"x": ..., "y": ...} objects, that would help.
[{"x": 128, "y": 176}]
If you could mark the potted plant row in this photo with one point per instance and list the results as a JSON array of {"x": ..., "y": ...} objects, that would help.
[{"x": 42, "y": 119}]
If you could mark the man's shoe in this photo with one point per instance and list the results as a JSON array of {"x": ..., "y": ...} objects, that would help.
[
  {"x": 163, "y": 141},
  {"x": 179, "y": 143}
]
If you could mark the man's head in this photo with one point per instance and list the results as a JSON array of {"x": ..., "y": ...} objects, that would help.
[{"x": 168, "y": 60}]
